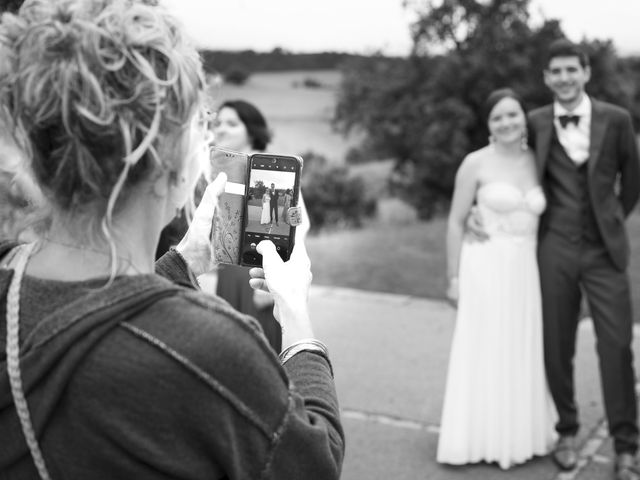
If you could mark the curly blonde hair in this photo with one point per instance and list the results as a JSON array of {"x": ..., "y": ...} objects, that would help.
[{"x": 90, "y": 87}]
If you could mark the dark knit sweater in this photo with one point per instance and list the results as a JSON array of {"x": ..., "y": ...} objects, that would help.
[{"x": 151, "y": 379}]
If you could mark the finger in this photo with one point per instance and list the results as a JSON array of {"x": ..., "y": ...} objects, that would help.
[
  {"x": 303, "y": 228},
  {"x": 217, "y": 186},
  {"x": 210, "y": 199},
  {"x": 258, "y": 284},
  {"x": 270, "y": 257},
  {"x": 299, "y": 255},
  {"x": 256, "y": 272}
]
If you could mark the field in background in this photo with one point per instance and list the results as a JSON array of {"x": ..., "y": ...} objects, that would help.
[
  {"x": 299, "y": 117},
  {"x": 410, "y": 259},
  {"x": 407, "y": 259}
]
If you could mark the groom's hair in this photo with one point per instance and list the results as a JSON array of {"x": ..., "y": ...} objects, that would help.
[{"x": 566, "y": 48}]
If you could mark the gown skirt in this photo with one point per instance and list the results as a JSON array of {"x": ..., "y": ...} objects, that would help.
[
  {"x": 264, "y": 215},
  {"x": 497, "y": 407}
]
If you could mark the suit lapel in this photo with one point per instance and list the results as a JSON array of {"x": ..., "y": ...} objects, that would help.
[
  {"x": 543, "y": 138},
  {"x": 598, "y": 128}
]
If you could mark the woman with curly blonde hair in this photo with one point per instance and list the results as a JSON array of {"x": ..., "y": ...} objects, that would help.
[{"x": 117, "y": 367}]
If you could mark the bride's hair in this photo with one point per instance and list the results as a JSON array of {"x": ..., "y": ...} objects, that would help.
[{"x": 496, "y": 96}]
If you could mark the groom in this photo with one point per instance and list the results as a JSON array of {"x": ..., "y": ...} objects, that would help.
[
  {"x": 588, "y": 163},
  {"x": 273, "y": 207}
]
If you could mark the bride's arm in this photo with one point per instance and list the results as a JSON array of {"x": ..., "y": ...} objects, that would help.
[{"x": 464, "y": 194}]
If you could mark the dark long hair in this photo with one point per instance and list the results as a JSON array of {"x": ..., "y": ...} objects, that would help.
[
  {"x": 498, "y": 95},
  {"x": 253, "y": 120}
]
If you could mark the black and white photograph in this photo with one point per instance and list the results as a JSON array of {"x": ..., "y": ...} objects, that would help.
[
  {"x": 270, "y": 194},
  {"x": 443, "y": 285}
]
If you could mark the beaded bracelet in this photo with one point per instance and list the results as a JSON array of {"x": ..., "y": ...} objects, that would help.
[{"x": 306, "y": 345}]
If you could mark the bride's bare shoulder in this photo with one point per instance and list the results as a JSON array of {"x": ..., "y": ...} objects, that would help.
[{"x": 475, "y": 160}]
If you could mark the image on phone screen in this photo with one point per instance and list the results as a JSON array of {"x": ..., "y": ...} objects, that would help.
[{"x": 271, "y": 191}]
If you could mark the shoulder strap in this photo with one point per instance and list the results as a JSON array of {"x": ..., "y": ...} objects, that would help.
[
  {"x": 20, "y": 257},
  {"x": 96, "y": 319}
]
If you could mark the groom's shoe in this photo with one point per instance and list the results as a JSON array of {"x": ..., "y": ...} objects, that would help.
[
  {"x": 565, "y": 454},
  {"x": 626, "y": 467}
]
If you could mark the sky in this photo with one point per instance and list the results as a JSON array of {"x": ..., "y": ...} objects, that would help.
[{"x": 368, "y": 26}]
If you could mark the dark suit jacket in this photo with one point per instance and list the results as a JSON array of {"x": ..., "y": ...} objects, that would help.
[
  {"x": 614, "y": 170},
  {"x": 274, "y": 198}
]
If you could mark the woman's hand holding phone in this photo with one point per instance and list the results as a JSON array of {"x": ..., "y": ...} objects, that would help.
[
  {"x": 289, "y": 284},
  {"x": 196, "y": 246}
]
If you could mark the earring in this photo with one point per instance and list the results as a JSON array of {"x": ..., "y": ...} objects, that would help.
[{"x": 524, "y": 141}]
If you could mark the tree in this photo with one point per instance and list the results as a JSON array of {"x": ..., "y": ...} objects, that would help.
[
  {"x": 237, "y": 75},
  {"x": 425, "y": 111},
  {"x": 259, "y": 189}
]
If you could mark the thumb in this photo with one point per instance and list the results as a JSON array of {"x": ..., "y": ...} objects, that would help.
[
  {"x": 270, "y": 257},
  {"x": 217, "y": 186},
  {"x": 210, "y": 197}
]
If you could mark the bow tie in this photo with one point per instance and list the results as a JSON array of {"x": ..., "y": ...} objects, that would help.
[{"x": 567, "y": 119}]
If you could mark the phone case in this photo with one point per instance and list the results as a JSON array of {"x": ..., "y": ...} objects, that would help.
[{"x": 229, "y": 215}]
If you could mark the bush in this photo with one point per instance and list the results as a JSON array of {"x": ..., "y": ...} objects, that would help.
[
  {"x": 334, "y": 197},
  {"x": 356, "y": 156},
  {"x": 311, "y": 83},
  {"x": 237, "y": 75}
]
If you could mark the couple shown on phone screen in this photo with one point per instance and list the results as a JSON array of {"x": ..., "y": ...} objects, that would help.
[{"x": 270, "y": 206}]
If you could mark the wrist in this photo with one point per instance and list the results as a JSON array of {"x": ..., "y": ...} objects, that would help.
[{"x": 306, "y": 345}]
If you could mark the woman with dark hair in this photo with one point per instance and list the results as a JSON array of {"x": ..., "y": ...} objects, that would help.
[
  {"x": 117, "y": 367},
  {"x": 496, "y": 406},
  {"x": 241, "y": 127}
]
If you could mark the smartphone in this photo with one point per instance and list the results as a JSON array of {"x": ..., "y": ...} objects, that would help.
[{"x": 272, "y": 187}]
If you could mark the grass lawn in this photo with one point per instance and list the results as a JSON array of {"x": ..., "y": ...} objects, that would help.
[{"x": 409, "y": 259}]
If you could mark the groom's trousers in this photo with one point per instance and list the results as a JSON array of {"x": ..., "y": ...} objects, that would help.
[{"x": 570, "y": 267}]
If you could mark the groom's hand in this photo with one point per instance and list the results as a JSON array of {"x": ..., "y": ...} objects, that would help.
[{"x": 474, "y": 227}]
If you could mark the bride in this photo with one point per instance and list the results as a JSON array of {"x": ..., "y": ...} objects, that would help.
[
  {"x": 266, "y": 202},
  {"x": 496, "y": 405}
]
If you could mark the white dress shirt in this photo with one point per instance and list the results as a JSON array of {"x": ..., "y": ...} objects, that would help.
[{"x": 575, "y": 138}]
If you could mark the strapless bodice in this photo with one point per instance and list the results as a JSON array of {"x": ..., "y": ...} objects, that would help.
[{"x": 506, "y": 209}]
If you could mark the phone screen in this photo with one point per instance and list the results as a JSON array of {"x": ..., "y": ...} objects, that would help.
[{"x": 273, "y": 188}]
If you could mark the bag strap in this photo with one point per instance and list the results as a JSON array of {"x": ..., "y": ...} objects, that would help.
[{"x": 18, "y": 259}]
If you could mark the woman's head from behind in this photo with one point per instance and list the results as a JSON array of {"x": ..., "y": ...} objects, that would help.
[
  {"x": 505, "y": 115},
  {"x": 240, "y": 126},
  {"x": 101, "y": 95}
]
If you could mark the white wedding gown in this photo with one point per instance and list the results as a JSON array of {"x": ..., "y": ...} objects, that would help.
[
  {"x": 266, "y": 203},
  {"x": 496, "y": 405}
]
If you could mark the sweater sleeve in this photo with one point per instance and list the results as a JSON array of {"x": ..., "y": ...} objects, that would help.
[
  {"x": 223, "y": 398},
  {"x": 310, "y": 443},
  {"x": 172, "y": 266}
]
